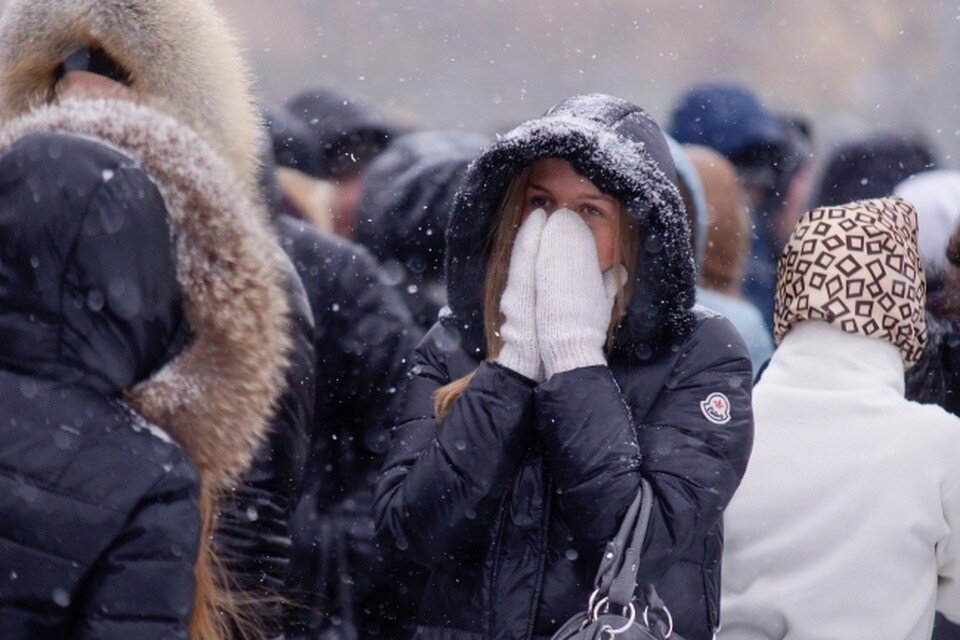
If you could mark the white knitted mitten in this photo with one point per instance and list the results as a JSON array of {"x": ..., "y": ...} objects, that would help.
[
  {"x": 521, "y": 350},
  {"x": 574, "y": 299}
]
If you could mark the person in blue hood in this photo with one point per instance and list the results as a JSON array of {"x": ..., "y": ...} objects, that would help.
[
  {"x": 708, "y": 206},
  {"x": 772, "y": 156}
]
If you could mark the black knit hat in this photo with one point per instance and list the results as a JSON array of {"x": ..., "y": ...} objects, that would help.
[
  {"x": 871, "y": 167},
  {"x": 347, "y": 131},
  {"x": 291, "y": 139}
]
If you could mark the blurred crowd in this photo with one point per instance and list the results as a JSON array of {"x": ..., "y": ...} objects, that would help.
[{"x": 206, "y": 437}]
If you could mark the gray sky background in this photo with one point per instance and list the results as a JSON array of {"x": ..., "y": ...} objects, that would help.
[{"x": 850, "y": 65}]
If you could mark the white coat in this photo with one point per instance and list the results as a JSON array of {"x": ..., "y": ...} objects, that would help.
[{"x": 847, "y": 523}]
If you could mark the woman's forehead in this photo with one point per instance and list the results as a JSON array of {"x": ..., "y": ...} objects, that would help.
[{"x": 557, "y": 171}]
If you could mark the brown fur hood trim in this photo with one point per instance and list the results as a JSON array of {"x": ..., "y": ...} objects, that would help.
[
  {"x": 215, "y": 398},
  {"x": 180, "y": 54},
  {"x": 953, "y": 248}
]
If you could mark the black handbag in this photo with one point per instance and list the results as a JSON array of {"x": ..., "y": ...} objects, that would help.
[{"x": 614, "y": 610}]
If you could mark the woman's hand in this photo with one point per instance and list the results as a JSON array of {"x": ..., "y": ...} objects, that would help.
[
  {"x": 574, "y": 299},
  {"x": 521, "y": 349}
]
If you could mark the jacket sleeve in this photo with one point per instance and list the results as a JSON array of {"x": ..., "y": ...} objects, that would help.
[
  {"x": 253, "y": 530},
  {"x": 377, "y": 335},
  {"x": 143, "y": 586},
  {"x": 442, "y": 481},
  {"x": 597, "y": 452},
  {"x": 363, "y": 344}
]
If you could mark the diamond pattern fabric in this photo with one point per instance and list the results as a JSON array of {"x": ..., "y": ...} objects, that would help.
[{"x": 856, "y": 266}]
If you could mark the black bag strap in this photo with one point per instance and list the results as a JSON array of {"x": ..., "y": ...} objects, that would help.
[{"x": 617, "y": 577}]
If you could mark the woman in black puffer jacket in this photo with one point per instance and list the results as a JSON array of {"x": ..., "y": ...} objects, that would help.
[{"x": 571, "y": 364}]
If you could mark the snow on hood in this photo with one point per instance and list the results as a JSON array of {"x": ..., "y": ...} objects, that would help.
[{"x": 620, "y": 148}]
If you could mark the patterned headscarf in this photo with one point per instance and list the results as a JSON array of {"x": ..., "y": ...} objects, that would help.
[{"x": 856, "y": 266}]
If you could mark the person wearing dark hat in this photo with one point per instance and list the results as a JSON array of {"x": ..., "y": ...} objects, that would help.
[
  {"x": 294, "y": 155},
  {"x": 871, "y": 167},
  {"x": 770, "y": 153},
  {"x": 348, "y": 134},
  {"x": 338, "y": 581},
  {"x": 406, "y": 198}
]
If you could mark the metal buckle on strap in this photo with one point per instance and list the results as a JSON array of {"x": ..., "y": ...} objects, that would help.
[
  {"x": 629, "y": 612},
  {"x": 646, "y": 619},
  {"x": 591, "y": 602}
]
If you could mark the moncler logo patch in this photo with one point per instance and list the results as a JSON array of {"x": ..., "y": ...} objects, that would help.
[{"x": 716, "y": 408}]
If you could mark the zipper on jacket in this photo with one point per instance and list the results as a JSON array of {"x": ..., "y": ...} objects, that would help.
[
  {"x": 495, "y": 568},
  {"x": 544, "y": 544}
]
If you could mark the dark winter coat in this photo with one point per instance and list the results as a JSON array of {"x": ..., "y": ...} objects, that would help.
[
  {"x": 405, "y": 204},
  {"x": 102, "y": 314},
  {"x": 935, "y": 379},
  {"x": 254, "y": 525},
  {"x": 363, "y": 344},
  {"x": 511, "y": 498},
  {"x": 100, "y": 507},
  {"x": 253, "y": 530},
  {"x": 190, "y": 131},
  {"x": 760, "y": 277}
]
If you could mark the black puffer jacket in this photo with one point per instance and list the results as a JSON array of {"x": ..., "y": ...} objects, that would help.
[
  {"x": 405, "y": 203},
  {"x": 191, "y": 131},
  {"x": 363, "y": 345},
  {"x": 100, "y": 524},
  {"x": 511, "y": 498}
]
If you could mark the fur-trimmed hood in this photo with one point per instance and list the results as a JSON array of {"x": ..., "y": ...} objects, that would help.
[
  {"x": 216, "y": 395},
  {"x": 180, "y": 55},
  {"x": 622, "y": 151}
]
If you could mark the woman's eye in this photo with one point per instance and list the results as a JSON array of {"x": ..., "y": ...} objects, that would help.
[
  {"x": 592, "y": 211},
  {"x": 538, "y": 201}
]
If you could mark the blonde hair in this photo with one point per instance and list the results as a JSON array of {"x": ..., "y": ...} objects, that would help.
[
  {"x": 221, "y": 610},
  {"x": 509, "y": 216}
]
